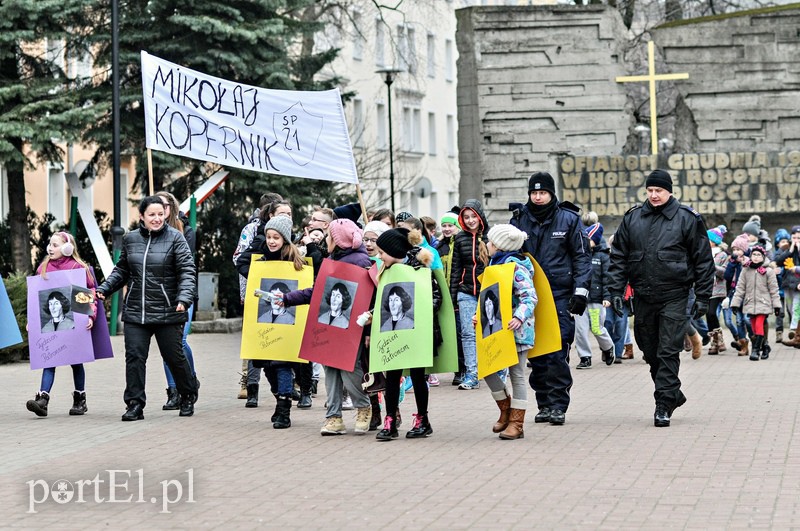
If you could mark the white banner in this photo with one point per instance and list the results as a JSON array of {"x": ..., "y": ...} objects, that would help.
[{"x": 285, "y": 132}]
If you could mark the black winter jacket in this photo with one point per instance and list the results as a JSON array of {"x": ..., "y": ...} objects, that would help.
[
  {"x": 662, "y": 252},
  {"x": 466, "y": 267},
  {"x": 790, "y": 279},
  {"x": 598, "y": 290},
  {"x": 560, "y": 246},
  {"x": 158, "y": 269}
]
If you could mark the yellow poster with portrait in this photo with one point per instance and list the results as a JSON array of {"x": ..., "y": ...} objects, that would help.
[
  {"x": 271, "y": 331},
  {"x": 494, "y": 341},
  {"x": 548, "y": 332}
]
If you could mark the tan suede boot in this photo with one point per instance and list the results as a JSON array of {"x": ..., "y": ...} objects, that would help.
[
  {"x": 503, "y": 403},
  {"x": 795, "y": 341},
  {"x": 515, "y": 429},
  {"x": 243, "y": 382},
  {"x": 713, "y": 347},
  {"x": 720, "y": 337},
  {"x": 628, "y": 353},
  {"x": 744, "y": 349},
  {"x": 697, "y": 345}
]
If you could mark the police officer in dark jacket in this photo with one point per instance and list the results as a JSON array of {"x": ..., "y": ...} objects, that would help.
[
  {"x": 661, "y": 248},
  {"x": 557, "y": 241},
  {"x": 157, "y": 267}
]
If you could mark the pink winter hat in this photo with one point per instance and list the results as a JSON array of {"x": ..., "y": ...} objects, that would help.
[
  {"x": 345, "y": 234},
  {"x": 741, "y": 242}
]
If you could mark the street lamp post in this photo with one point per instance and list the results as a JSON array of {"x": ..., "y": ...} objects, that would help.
[{"x": 388, "y": 78}]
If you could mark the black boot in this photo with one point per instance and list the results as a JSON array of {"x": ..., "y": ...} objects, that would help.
[
  {"x": 39, "y": 404},
  {"x": 252, "y": 395},
  {"x": 661, "y": 416},
  {"x": 173, "y": 400},
  {"x": 187, "y": 405},
  {"x": 134, "y": 412},
  {"x": 389, "y": 430},
  {"x": 78, "y": 403},
  {"x": 421, "y": 428},
  {"x": 754, "y": 352},
  {"x": 305, "y": 400},
  {"x": 283, "y": 409},
  {"x": 375, "y": 421},
  {"x": 276, "y": 413},
  {"x": 765, "y": 350}
]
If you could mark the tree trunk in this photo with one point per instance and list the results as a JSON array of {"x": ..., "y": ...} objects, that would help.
[{"x": 18, "y": 213}]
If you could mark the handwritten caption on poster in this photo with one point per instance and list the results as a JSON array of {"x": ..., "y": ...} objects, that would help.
[
  {"x": 713, "y": 183},
  {"x": 284, "y": 132}
]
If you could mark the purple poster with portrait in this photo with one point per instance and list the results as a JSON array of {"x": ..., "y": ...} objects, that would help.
[{"x": 57, "y": 335}]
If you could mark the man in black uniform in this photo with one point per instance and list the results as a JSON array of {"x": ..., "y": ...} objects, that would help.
[
  {"x": 557, "y": 241},
  {"x": 661, "y": 248}
]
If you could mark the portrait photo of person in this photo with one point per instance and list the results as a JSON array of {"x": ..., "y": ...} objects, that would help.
[
  {"x": 490, "y": 311},
  {"x": 337, "y": 302},
  {"x": 398, "y": 307},
  {"x": 271, "y": 309},
  {"x": 57, "y": 313}
]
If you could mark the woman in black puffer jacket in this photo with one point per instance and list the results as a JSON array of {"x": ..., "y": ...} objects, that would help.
[{"x": 157, "y": 267}]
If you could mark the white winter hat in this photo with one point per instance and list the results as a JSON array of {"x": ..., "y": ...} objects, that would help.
[
  {"x": 507, "y": 237},
  {"x": 378, "y": 227}
]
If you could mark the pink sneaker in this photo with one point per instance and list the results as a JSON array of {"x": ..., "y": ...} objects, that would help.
[{"x": 433, "y": 381}]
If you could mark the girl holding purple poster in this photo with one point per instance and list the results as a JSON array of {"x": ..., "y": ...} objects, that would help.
[{"x": 62, "y": 255}]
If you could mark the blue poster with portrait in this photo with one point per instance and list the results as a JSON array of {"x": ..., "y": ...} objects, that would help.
[{"x": 9, "y": 333}]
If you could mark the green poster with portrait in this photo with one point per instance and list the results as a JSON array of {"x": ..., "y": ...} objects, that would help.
[
  {"x": 446, "y": 358},
  {"x": 402, "y": 320}
]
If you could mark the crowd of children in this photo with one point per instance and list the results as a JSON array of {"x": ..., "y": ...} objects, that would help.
[{"x": 755, "y": 277}]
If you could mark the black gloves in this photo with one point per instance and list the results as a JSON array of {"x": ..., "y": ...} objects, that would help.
[
  {"x": 577, "y": 304},
  {"x": 618, "y": 305},
  {"x": 700, "y": 308},
  {"x": 777, "y": 312}
]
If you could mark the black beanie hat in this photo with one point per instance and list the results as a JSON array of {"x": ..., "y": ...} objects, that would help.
[
  {"x": 542, "y": 181},
  {"x": 660, "y": 179},
  {"x": 394, "y": 242}
]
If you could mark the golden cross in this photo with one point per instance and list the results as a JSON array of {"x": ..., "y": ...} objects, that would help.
[{"x": 651, "y": 78}]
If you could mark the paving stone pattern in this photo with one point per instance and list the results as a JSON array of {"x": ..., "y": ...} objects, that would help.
[{"x": 728, "y": 460}]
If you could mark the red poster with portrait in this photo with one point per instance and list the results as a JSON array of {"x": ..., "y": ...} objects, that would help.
[{"x": 342, "y": 292}]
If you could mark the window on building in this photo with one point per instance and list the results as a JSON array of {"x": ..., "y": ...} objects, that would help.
[
  {"x": 431, "y": 55},
  {"x": 358, "y": 37},
  {"x": 124, "y": 188},
  {"x": 54, "y": 52},
  {"x": 451, "y": 135},
  {"x": 402, "y": 48},
  {"x": 383, "y": 142},
  {"x": 448, "y": 60},
  {"x": 431, "y": 133},
  {"x": 56, "y": 193},
  {"x": 358, "y": 123},
  {"x": 406, "y": 48},
  {"x": 412, "y": 129},
  {"x": 380, "y": 43},
  {"x": 3, "y": 192},
  {"x": 80, "y": 65},
  {"x": 411, "y": 35}
]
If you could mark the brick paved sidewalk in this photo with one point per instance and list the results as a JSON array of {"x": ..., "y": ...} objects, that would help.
[{"x": 728, "y": 461}]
